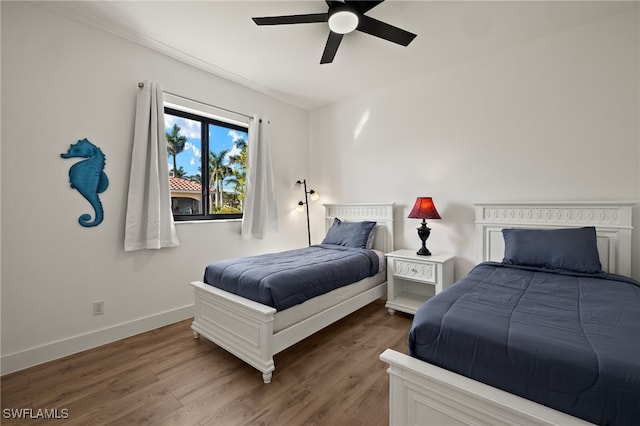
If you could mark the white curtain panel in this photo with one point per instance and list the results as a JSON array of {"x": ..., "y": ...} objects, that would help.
[
  {"x": 149, "y": 221},
  {"x": 260, "y": 215}
]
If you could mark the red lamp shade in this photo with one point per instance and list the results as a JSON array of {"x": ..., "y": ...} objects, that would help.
[{"x": 424, "y": 209}]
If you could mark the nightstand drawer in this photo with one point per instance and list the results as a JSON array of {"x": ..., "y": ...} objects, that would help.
[{"x": 418, "y": 271}]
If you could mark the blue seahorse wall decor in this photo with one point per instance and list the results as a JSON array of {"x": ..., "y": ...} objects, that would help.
[{"x": 88, "y": 177}]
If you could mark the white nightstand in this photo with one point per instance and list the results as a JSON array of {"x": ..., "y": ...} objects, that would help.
[{"x": 412, "y": 279}]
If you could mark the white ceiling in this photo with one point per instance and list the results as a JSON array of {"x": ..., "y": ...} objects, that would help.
[{"x": 284, "y": 61}]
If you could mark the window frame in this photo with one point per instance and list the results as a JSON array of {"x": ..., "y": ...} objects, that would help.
[{"x": 205, "y": 184}]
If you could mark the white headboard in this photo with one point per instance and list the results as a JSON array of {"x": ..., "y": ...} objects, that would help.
[
  {"x": 611, "y": 219},
  {"x": 382, "y": 213}
]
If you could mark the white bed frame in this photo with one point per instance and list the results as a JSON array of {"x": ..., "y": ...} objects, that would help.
[
  {"x": 424, "y": 394},
  {"x": 245, "y": 328}
]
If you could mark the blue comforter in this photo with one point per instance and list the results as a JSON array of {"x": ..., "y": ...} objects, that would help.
[
  {"x": 568, "y": 341},
  {"x": 288, "y": 278}
]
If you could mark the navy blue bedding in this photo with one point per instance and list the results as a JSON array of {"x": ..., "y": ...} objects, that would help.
[
  {"x": 569, "y": 341},
  {"x": 288, "y": 278}
]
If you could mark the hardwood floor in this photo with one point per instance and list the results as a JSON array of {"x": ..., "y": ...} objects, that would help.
[{"x": 166, "y": 377}]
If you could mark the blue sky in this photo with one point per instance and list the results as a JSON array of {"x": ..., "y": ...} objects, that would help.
[{"x": 190, "y": 159}]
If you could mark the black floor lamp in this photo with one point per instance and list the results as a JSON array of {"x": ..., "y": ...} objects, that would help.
[{"x": 313, "y": 195}]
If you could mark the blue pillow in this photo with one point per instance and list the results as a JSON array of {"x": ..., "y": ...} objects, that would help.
[
  {"x": 569, "y": 249},
  {"x": 349, "y": 234}
]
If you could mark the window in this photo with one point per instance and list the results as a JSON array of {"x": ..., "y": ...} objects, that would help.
[{"x": 196, "y": 143}]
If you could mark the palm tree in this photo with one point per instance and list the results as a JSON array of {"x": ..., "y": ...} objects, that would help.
[
  {"x": 241, "y": 144},
  {"x": 175, "y": 144},
  {"x": 239, "y": 163},
  {"x": 218, "y": 172},
  {"x": 197, "y": 177}
]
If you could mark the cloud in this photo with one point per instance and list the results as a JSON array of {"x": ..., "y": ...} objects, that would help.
[
  {"x": 236, "y": 135},
  {"x": 194, "y": 149},
  {"x": 233, "y": 151},
  {"x": 188, "y": 128}
]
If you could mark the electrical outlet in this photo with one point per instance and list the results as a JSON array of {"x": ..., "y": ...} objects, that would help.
[{"x": 98, "y": 308}]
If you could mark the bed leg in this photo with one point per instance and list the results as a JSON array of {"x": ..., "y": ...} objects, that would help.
[
  {"x": 391, "y": 311},
  {"x": 267, "y": 377},
  {"x": 196, "y": 335}
]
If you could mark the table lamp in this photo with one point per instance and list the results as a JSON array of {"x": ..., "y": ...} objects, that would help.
[{"x": 424, "y": 209}]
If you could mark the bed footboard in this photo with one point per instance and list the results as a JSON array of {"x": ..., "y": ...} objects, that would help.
[
  {"x": 423, "y": 394},
  {"x": 240, "y": 326},
  {"x": 245, "y": 328}
]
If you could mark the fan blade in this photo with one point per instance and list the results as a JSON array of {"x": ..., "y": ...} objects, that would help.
[
  {"x": 363, "y": 6},
  {"x": 332, "y": 3},
  {"x": 292, "y": 19},
  {"x": 386, "y": 31},
  {"x": 330, "y": 49}
]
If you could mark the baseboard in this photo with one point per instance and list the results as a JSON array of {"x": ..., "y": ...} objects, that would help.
[{"x": 61, "y": 348}]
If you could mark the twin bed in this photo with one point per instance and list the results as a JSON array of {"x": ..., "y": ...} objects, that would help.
[
  {"x": 544, "y": 337},
  {"x": 256, "y": 331},
  {"x": 542, "y": 331}
]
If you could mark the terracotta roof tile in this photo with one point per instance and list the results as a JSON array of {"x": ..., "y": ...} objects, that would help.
[{"x": 180, "y": 184}]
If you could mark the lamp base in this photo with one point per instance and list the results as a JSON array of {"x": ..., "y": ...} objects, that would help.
[
  {"x": 423, "y": 252},
  {"x": 423, "y": 232}
]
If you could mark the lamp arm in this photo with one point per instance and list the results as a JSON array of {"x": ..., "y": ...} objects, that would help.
[{"x": 306, "y": 201}]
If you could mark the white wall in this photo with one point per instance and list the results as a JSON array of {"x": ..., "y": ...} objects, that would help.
[
  {"x": 63, "y": 81},
  {"x": 552, "y": 119}
]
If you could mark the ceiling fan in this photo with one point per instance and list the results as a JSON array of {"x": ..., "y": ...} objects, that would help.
[{"x": 344, "y": 17}]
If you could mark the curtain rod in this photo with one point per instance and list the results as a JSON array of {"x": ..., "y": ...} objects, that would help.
[{"x": 141, "y": 85}]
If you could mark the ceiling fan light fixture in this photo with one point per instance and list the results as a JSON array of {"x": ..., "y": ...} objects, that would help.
[
  {"x": 343, "y": 21},
  {"x": 344, "y": 17}
]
